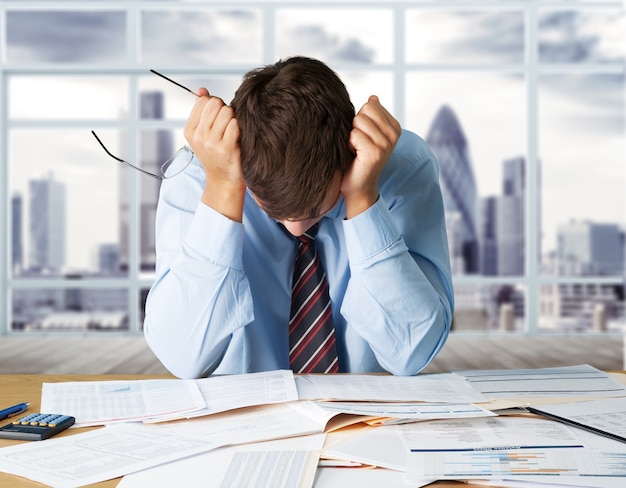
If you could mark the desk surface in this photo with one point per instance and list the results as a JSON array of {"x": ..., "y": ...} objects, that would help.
[{"x": 27, "y": 388}]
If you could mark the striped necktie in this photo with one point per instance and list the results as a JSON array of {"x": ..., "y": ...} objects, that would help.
[{"x": 311, "y": 331}]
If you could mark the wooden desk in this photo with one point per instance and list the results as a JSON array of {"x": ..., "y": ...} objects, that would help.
[{"x": 16, "y": 389}]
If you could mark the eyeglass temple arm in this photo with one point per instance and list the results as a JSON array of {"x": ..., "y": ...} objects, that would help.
[
  {"x": 175, "y": 82},
  {"x": 125, "y": 162}
]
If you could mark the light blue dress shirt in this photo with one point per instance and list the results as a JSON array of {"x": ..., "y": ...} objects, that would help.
[{"x": 221, "y": 299}]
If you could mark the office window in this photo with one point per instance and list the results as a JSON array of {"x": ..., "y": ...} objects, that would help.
[
  {"x": 522, "y": 103},
  {"x": 64, "y": 36},
  {"x": 201, "y": 38}
]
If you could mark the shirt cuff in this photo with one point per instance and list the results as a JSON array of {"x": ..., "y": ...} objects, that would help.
[
  {"x": 216, "y": 238},
  {"x": 370, "y": 233}
]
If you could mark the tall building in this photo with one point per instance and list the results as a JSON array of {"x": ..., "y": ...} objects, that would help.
[
  {"x": 489, "y": 236},
  {"x": 17, "y": 244},
  {"x": 502, "y": 224},
  {"x": 108, "y": 258},
  {"x": 458, "y": 185},
  {"x": 511, "y": 223},
  {"x": 47, "y": 225},
  {"x": 590, "y": 248},
  {"x": 157, "y": 147}
]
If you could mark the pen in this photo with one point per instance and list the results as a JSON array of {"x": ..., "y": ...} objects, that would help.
[{"x": 14, "y": 410}]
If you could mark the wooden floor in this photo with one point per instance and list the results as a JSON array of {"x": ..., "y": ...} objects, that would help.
[{"x": 130, "y": 355}]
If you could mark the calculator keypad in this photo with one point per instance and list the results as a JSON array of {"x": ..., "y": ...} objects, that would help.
[
  {"x": 36, "y": 426},
  {"x": 41, "y": 419}
]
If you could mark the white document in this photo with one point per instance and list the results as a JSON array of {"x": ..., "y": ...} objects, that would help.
[
  {"x": 433, "y": 388},
  {"x": 121, "y": 449},
  {"x": 101, "y": 402},
  {"x": 487, "y": 433},
  {"x": 98, "y": 455},
  {"x": 408, "y": 412},
  {"x": 509, "y": 464},
  {"x": 605, "y": 417},
  {"x": 591, "y": 441},
  {"x": 363, "y": 478},
  {"x": 570, "y": 381},
  {"x": 222, "y": 393},
  {"x": 548, "y": 481},
  {"x": 209, "y": 470},
  {"x": 374, "y": 446}
]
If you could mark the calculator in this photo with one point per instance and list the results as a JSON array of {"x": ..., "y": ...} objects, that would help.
[{"x": 36, "y": 426}]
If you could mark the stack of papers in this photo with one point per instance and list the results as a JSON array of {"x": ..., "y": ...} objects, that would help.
[
  {"x": 106, "y": 402},
  {"x": 274, "y": 430}
]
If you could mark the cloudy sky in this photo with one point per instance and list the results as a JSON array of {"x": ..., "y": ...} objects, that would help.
[{"x": 580, "y": 112}]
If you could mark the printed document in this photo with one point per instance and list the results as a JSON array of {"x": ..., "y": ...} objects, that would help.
[
  {"x": 487, "y": 433},
  {"x": 283, "y": 463},
  {"x": 605, "y": 417},
  {"x": 570, "y": 381},
  {"x": 433, "y": 388},
  {"x": 391, "y": 413},
  {"x": 101, "y": 402},
  {"x": 507, "y": 463},
  {"x": 120, "y": 449},
  {"x": 222, "y": 393}
]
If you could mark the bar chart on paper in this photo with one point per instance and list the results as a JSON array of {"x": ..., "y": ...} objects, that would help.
[{"x": 468, "y": 464}]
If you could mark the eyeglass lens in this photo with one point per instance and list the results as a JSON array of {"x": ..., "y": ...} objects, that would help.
[{"x": 165, "y": 166}]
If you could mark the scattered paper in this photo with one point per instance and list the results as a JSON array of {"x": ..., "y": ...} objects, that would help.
[
  {"x": 507, "y": 463},
  {"x": 605, "y": 417},
  {"x": 487, "y": 433},
  {"x": 120, "y": 449},
  {"x": 571, "y": 381},
  {"x": 391, "y": 413},
  {"x": 192, "y": 472},
  {"x": 101, "y": 402},
  {"x": 374, "y": 446},
  {"x": 222, "y": 393},
  {"x": 432, "y": 388}
]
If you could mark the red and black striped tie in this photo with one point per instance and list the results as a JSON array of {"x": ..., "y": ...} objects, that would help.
[{"x": 311, "y": 331}]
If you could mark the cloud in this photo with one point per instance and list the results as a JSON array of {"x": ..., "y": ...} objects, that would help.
[
  {"x": 466, "y": 36},
  {"x": 593, "y": 103},
  {"x": 498, "y": 34},
  {"x": 560, "y": 40},
  {"x": 202, "y": 36},
  {"x": 581, "y": 36},
  {"x": 314, "y": 40},
  {"x": 65, "y": 37}
]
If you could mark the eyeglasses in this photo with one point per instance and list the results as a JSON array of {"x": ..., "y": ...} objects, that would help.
[{"x": 185, "y": 151}]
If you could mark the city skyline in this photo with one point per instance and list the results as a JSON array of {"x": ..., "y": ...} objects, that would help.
[
  {"x": 496, "y": 246},
  {"x": 492, "y": 245},
  {"x": 579, "y": 131}
]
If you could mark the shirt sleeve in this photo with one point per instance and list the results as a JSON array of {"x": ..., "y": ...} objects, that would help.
[
  {"x": 400, "y": 298},
  {"x": 200, "y": 295}
]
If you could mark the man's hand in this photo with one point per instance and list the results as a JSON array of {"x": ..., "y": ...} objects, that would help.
[
  {"x": 213, "y": 134},
  {"x": 374, "y": 135}
]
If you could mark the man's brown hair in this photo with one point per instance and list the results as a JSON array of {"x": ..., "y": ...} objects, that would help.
[{"x": 295, "y": 118}]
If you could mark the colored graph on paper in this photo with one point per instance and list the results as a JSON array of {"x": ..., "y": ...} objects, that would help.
[{"x": 506, "y": 463}]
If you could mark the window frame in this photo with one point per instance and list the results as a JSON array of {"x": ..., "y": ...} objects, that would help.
[{"x": 135, "y": 282}]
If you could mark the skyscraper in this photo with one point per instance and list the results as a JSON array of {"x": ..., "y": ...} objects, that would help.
[
  {"x": 47, "y": 225},
  {"x": 502, "y": 226},
  {"x": 17, "y": 246},
  {"x": 458, "y": 185},
  {"x": 156, "y": 148},
  {"x": 511, "y": 223},
  {"x": 489, "y": 236},
  {"x": 590, "y": 248}
]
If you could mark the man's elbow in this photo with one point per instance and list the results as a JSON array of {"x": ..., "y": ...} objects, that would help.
[{"x": 428, "y": 346}]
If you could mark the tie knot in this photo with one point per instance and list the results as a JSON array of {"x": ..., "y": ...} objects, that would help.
[{"x": 309, "y": 235}]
